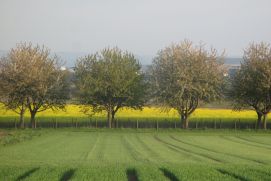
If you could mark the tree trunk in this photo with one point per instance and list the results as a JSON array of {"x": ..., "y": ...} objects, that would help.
[
  {"x": 264, "y": 121},
  {"x": 113, "y": 119},
  {"x": 259, "y": 121},
  {"x": 22, "y": 118},
  {"x": 109, "y": 119},
  {"x": 33, "y": 120},
  {"x": 184, "y": 122}
]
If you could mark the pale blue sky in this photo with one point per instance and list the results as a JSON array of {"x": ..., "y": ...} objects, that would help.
[{"x": 140, "y": 26}]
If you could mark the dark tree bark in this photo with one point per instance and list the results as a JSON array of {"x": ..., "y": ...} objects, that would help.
[
  {"x": 33, "y": 119},
  {"x": 264, "y": 121},
  {"x": 109, "y": 118},
  {"x": 113, "y": 119},
  {"x": 186, "y": 110},
  {"x": 259, "y": 121},
  {"x": 184, "y": 121},
  {"x": 111, "y": 112},
  {"x": 22, "y": 118}
]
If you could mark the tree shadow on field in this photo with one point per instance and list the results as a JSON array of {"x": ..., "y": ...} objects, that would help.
[
  {"x": 169, "y": 174},
  {"x": 238, "y": 177},
  {"x": 131, "y": 174},
  {"x": 67, "y": 175},
  {"x": 27, "y": 174}
]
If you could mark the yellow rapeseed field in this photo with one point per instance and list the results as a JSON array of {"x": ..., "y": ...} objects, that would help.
[{"x": 147, "y": 112}]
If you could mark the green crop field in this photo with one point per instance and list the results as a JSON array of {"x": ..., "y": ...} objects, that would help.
[{"x": 128, "y": 154}]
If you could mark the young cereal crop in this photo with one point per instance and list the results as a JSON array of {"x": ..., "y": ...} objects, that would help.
[{"x": 86, "y": 154}]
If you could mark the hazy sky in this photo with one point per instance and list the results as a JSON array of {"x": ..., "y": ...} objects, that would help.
[{"x": 140, "y": 26}]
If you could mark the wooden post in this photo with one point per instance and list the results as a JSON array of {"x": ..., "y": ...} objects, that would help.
[
  {"x": 76, "y": 123},
  {"x": 175, "y": 124},
  {"x": 196, "y": 124},
  {"x": 255, "y": 125},
  {"x": 157, "y": 126},
  {"x": 137, "y": 124},
  {"x": 55, "y": 123},
  {"x": 235, "y": 124},
  {"x": 220, "y": 126},
  {"x": 72, "y": 122},
  {"x": 15, "y": 124},
  {"x": 96, "y": 123},
  {"x": 38, "y": 124}
]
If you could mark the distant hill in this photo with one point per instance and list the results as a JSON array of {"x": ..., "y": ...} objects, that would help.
[
  {"x": 147, "y": 60},
  {"x": 233, "y": 61},
  {"x": 3, "y": 53},
  {"x": 69, "y": 58}
]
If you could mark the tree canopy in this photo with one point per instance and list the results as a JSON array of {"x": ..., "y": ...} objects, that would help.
[
  {"x": 32, "y": 79},
  {"x": 251, "y": 86},
  {"x": 183, "y": 75},
  {"x": 109, "y": 80}
]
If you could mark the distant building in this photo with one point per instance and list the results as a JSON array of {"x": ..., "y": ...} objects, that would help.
[{"x": 231, "y": 70}]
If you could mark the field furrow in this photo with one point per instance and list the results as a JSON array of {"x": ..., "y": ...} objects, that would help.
[
  {"x": 227, "y": 156},
  {"x": 97, "y": 152},
  {"x": 150, "y": 153},
  {"x": 254, "y": 143},
  {"x": 264, "y": 140},
  {"x": 187, "y": 151},
  {"x": 136, "y": 155}
]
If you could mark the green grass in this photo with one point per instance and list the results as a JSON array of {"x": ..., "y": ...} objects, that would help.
[
  {"x": 128, "y": 154},
  {"x": 12, "y": 137}
]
